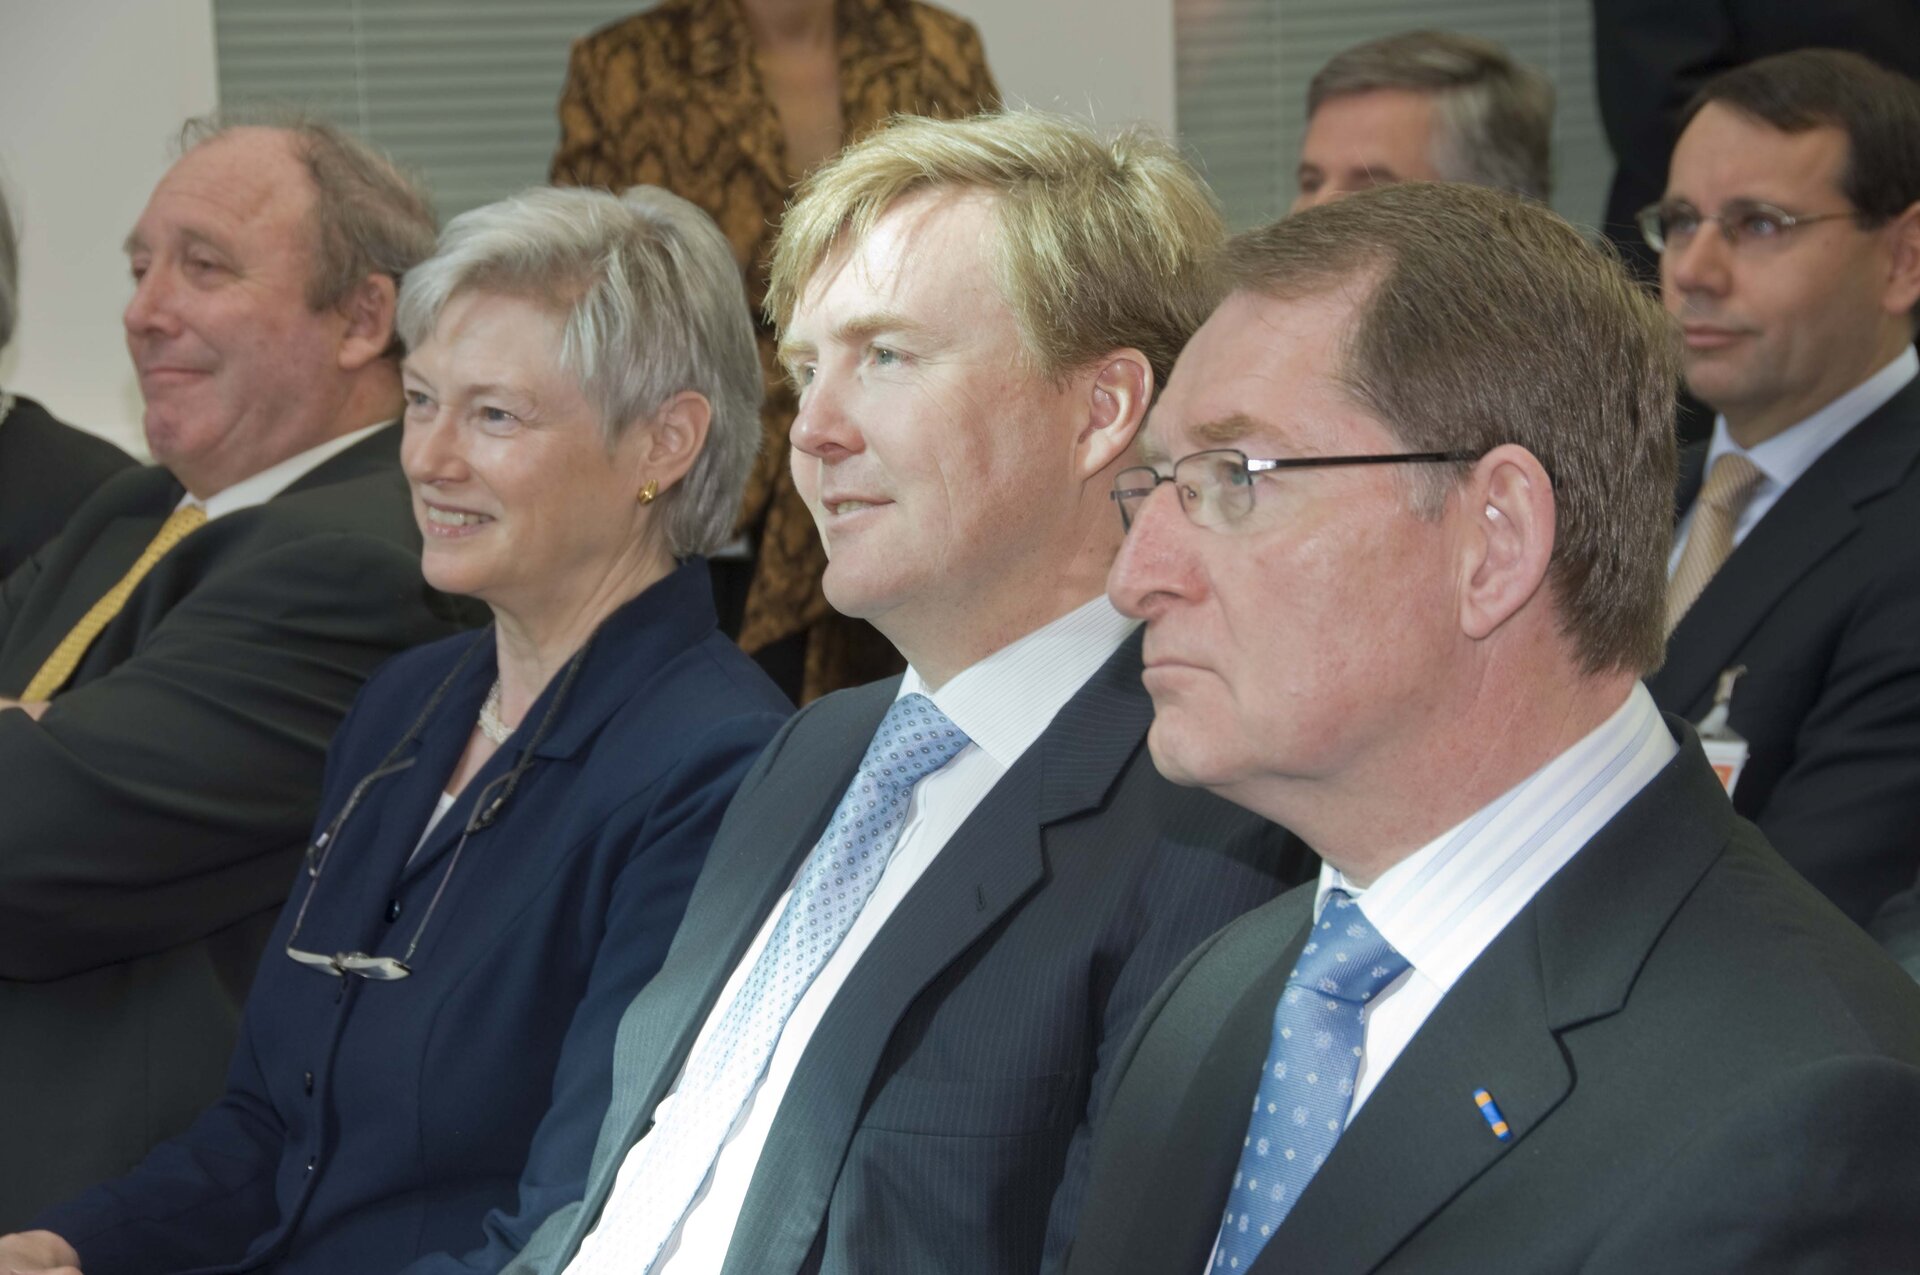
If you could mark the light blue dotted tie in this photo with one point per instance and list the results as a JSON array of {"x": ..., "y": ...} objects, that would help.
[
  {"x": 914, "y": 740},
  {"x": 1306, "y": 1084}
]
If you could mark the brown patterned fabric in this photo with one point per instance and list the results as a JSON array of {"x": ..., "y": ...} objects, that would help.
[{"x": 672, "y": 98}]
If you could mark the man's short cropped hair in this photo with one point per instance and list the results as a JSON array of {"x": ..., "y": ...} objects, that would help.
[
  {"x": 1102, "y": 243},
  {"x": 1878, "y": 110},
  {"x": 1495, "y": 115},
  {"x": 370, "y": 216},
  {"x": 1485, "y": 319}
]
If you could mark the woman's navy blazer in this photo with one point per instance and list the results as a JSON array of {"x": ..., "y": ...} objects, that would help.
[{"x": 368, "y": 1123}]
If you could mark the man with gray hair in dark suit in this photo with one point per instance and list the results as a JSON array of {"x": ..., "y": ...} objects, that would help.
[
  {"x": 1425, "y": 106},
  {"x": 174, "y": 663}
]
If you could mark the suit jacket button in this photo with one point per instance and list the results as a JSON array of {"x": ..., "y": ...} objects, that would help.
[
  {"x": 393, "y": 910},
  {"x": 311, "y": 1161},
  {"x": 307, "y": 1082}
]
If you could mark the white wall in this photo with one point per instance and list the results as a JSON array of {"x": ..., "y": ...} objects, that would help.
[
  {"x": 91, "y": 92},
  {"x": 1110, "y": 59}
]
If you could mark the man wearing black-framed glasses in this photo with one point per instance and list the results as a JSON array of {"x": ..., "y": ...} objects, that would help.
[{"x": 1789, "y": 243}]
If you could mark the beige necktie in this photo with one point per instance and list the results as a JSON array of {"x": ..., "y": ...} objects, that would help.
[
  {"x": 66, "y": 657},
  {"x": 1710, "y": 537}
]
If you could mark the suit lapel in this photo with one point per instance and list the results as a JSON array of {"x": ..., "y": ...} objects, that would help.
[
  {"x": 989, "y": 865},
  {"x": 1570, "y": 957},
  {"x": 755, "y": 855},
  {"x": 1231, "y": 995},
  {"x": 1812, "y": 519},
  {"x": 72, "y": 580},
  {"x": 1421, "y": 1138}
]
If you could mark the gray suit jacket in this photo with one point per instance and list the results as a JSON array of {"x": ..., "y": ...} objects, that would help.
[
  {"x": 939, "y": 1120},
  {"x": 1704, "y": 1066}
]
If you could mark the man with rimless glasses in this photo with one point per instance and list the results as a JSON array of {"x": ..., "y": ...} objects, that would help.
[
  {"x": 1551, "y": 1005},
  {"x": 1789, "y": 242}
]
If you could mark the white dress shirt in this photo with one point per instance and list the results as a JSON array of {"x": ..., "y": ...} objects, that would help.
[
  {"x": 1003, "y": 703},
  {"x": 1444, "y": 904},
  {"x": 259, "y": 488},
  {"x": 1790, "y": 453}
]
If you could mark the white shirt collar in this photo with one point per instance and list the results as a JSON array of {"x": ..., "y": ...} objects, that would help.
[
  {"x": 1443, "y": 904},
  {"x": 1006, "y": 700},
  {"x": 259, "y": 488},
  {"x": 1791, "y": 452}
]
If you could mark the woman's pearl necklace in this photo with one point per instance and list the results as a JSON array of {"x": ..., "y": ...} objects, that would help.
[{"x": 490, "y": 724}]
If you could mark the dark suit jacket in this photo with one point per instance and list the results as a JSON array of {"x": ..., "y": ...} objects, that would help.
[
  {"x": 364, "y": 1126},
  {"x": 1821, "y": 602},
  {"x": 940, "y": 1113},
  {"x": 1704, "y": 1067},
  {"x": 1652, "y": 56},
  {"x": 46, "y": 470},
  {"x": 153, "y": 816}
]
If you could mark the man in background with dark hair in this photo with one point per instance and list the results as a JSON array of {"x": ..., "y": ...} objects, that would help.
[
  {"x": 1789, "y": 241},
  {"x": 177, "y": 659},
  {"x": 1651, "y": 57},
  {"x": 1426, "y": 106},
  {"x": 46, "y": 467}
]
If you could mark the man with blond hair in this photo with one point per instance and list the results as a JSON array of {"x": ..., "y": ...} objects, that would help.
[
  {"x": 1552, "y": 1005},
  {"x": 1425, "y": 106},
  {"x": 939, "y": 901}
]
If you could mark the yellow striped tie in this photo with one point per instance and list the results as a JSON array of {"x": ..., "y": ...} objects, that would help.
[{"x": 66, "y": 657}]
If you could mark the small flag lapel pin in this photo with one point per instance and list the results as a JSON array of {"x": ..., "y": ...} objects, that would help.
[{"x": 1491, "y": 1110}]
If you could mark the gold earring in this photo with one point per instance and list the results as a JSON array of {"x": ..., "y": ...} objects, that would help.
[{"x": 648, "y": 492}]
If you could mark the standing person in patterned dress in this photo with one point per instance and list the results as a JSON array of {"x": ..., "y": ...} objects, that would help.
[{"x": 728, "y": 103}]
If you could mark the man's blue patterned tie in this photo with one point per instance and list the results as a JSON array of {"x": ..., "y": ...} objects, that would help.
[
  {"x": 1306, "y": 1084},
  {"x": 914, "y": 740}
]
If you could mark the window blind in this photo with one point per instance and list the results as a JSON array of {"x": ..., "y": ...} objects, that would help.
[{"x": 462, "y": 91}]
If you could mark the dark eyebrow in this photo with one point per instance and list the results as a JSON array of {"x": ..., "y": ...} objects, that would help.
[
  {"x": 1226, "y": 429},
  {"x": 1223, "y": 432}
]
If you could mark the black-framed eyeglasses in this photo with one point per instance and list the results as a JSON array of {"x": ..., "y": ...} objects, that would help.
[
  {"x": 387, "y": 969},
  {"x": 1215, "y": 487},
  {"x": 1742, "y": 222},
  {"x": 486, "y": 808}
]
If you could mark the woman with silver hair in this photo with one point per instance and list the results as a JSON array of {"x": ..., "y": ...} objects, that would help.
[{"x": 513, "y": 819}]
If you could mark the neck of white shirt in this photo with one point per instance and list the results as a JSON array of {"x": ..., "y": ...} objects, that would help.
[{"x": 258, "y": 489}]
